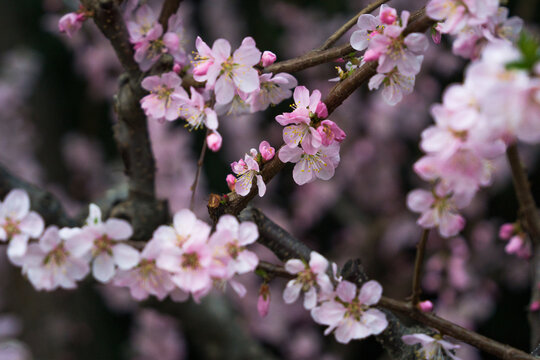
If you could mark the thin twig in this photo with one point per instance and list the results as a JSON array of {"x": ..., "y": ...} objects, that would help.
[
  {"x": 198, "y": 173},
  {"x": 349, "y": 24},
  {"x": 446, "y": 327},
  {"x": 418, "y": 265}
]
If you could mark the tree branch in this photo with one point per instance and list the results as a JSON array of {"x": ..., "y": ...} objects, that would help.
[{"x": 528, "y": 211}]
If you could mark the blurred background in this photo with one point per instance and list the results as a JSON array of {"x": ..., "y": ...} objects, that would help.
[{"x": 55, "y": 131}]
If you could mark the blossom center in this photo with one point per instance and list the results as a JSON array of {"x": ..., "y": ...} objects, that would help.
[
  {"x": 190, "y": 260},
  {"x": 12, "y": 227},
  {"x": 57, "y": 256},
  {"x": 103, "y": 244}
]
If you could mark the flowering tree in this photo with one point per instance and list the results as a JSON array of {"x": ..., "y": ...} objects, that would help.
[{"x": 145, "y": 244}]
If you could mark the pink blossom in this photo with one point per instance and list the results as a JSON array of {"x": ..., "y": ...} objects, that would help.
[
  {"x": 231, "y": 181},
  {"x": 71, "y": 23},
  {"x": 431, "y": 347},
  {"x": 310, "y": 280},
  {"x": 49, "y": 265},
  {"x": 438, "y": 208},
  {"x": 268, "y": 58},
  {"x": 395, "y": 86},
  {"x": 173, "y": 40},
  {"x": 214, "y": 141},
  {"x": 103, "y": 241},
  {"x": 272, "y": 90},
  {"x": 520, "y": 246},
  {"x": 368, "y": 25},
  {"x": 371, "y": 55},
  {"x": 197, "y": 113},
  {"x": 229, "y": 245},
  {"x": 305, "y": 105},
  {"x": 535, "y": 306},
  {"x": 18, "y": 224},
  {"x": 146, "y": 278},
  {"x": 143, "y": 23},
  {"x": 165, "y": 96},
  {"x": 350, "y": 314},
  {"x": 308, "y": 167},
  {"x": 150, "y": 48},
  {"x": 223, "y": 72},
  {"x": 330, "y": 132},
  {"x": 453, "y": 13},
  {"x": 247, "y": 169},
  {"x": 267, "y": 152},
  {"x": 263, "y": 302}
]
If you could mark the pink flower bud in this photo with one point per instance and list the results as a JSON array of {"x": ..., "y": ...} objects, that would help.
[
  {"x": 514, "y": 245},
  {"x": 535, "y": 306},
  {"x": 506, "y": 231},
  {"x": 263, "y": 303},
  {"x": 268, "y": 58},
  {"x": 71, "y": 23},
  {"x": 321, "y": 111},
  {"x": 214, "y": 141},
  {"x": 388, "y": 15},
  {"x": 177, "y": 68},
  {"x": 436, "y": 33},
  {"x": 371, "y": 55},
  {"x": 425, "y": 306},
  {"x": 231, "y": 181},
  {"x": 267, "y": 152}
]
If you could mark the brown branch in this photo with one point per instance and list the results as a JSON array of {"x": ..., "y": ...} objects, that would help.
[
  {"x": 169, "y": 8},
  {"x": 271, "y": 270},
  {"x": 234, "y": 203},
  {"x": 481, "y": 342},
  {"x": 198, "y": 172},
  {"x": 531, "y": 220},
  {"x": 418, "y": 265},
  {"x": 349, "y": 24}
]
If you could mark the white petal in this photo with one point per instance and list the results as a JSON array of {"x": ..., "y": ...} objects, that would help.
[
  {"x": 125, "y": 256},
  {"x": 291, "y": 292},
  {"x": 118, "y": 229},
  {"x": 103, "y": 267},
  {"x": 16, "y": 204},
  {"x": 32, "y": 224}
]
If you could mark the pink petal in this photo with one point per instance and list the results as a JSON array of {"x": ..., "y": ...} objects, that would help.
[
  {"x": 118, "y": 229},
  {"x": 417, "y": 339},
  {"x": 221, "y": 49},
  {"x": 248, "y": 233},
  {"x": 16, "y": 204},
  {"x": 80, "y": 244},
  {"x": 32, "y": 224},
  {"x": 229, "y": 223},
  {"x": 329, "y": 313},
  {"x": 292, "y": 291},
  {"x": 317, "y": 263},
  {"x": 294, "y": 266},
  {"x": 375, "y": 321},
  {"x": 310, "y": 298},
  {"x": 238, "y": 288},
  {"x": 288, "y": 154},
  {"x": 125, "y": 256},
  {"x": 261, "y": 186},
  {"x": 246, "y": 262},
  {"x": 17, "y": 248},
  {"x": 420, "y": 200},
  {"x": 346, "y": 291},
  {"x": 246, "y": 79},
  {"x": 301, "y": 96},
  {"x": 224, "y": 90},
  {"x": 50, "y": 239},
  {"x": 247, "y": 56},
  {"x": 184, "y": 221},
  {"x": 103, "y": 267},
  {"x": 349, "y": 329}
]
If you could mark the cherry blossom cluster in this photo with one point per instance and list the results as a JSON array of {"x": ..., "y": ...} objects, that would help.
[
  {"x": 149, "y": 41},
  {"x": 495, "y": 106},
  {"x": 346, "y": 310},
  {"x": 399, "y": 57},
  {"x": 473, "y": 23},
  {"x": 310, "y": 142},
  {"x": 70, "y": 23},
  {"x": 249, "y": 168},
  {"x": 181, "y": 259}
]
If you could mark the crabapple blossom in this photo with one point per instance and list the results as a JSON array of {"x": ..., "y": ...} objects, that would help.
[
  {"x": 438, "y": 208},
  {"x": 431, "y": 347},
  {"x": 195, "y": 111},
  {"x": 310, "y": 279},
  {"x": 272, "y": 90},
  {"x": 18, "y": 224},
  {"x": 395, "y": 86},
  {"x": 71, "y": 23},
  {"x": 330, "y": 132},
  {"x": 229, "y": 243},
  {"x": 246, "y": 170},
  {"x": 308, "y": 167},
  {"x": 103, "y": 242},
  {"x": 369, "y": 26},
  {"x": 223, "y": 72},
  {"x": 214, "y": 141},
  {"x": 166, "y": 96},
  {"x": 349, "y": 312},
  {"x": 142, "y": 23},
  {"x": 267, "y": 152},
  {"x": 146, "y": 278},
  {"x": 49, "y": 265},
  {"x": 268, "y": 58}
]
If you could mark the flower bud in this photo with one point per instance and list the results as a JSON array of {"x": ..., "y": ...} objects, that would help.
[
  {"x": 263, "y": 303},
  {"x": 214, "y": 141},
  {"x": 267, "y": 152},
  {"x": 231, "y": 181},
  {"x": 268, "y": 58},
  {"x": 425, "y": 306},
  {"x": 388, "y": 15}
]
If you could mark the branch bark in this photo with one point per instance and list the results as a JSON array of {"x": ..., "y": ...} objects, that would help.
[{"x": 169, "y": 8}]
